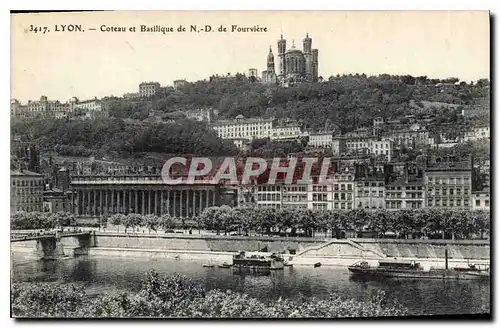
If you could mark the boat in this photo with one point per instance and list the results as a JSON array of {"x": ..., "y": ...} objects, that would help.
[
  {"x": 257, "y": 261},
  {"x": 317, "y": 264},
  {"x": 413, "y": 270},
  {"x": 287, "y": 264},
  {"x": 224, "y": 265},
  {"x": 208, "y": 265}
]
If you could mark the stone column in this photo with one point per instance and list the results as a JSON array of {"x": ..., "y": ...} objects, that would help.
[
  {"x": 213, "y": 198},
  {"x": 162, "y": 201},
  {"x": 149, "y": 202},
  {"x": 200, "y": 193},
  {"x": 87, "y": 202},
  {"x": 100, "y": 202},
  {"x": 136, "y": 196},
  {"x": 156, "y": 203},
  {"x": 206, "y": 197},
  {"x": 168, "y": 201},
  {"x": 118, "y": 209},
  {"x": 95, "y": 203},
  {"x": 77, "y": 207},
  {"x": 124, "y": 202},
  {"x": 129, "y": 201},
  {"x": 194, "y": 204},
  {"x": 180, "y": 203},
  {"x": 174, "y": 214},
  {"x": 143, "y": 200}
]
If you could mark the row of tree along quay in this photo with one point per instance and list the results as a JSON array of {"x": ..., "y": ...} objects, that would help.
[
  {"x": 288, "y": 222},
  {"x": 178, "y": 297}
]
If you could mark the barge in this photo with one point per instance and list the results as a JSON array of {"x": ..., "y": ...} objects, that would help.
[
  {"x": 413, "y": 270},
  {"x": 257, "y": 261}
]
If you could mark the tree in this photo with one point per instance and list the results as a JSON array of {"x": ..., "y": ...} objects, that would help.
[
  {"x": 403, "y": 223},
  {"x": 166, "y": 221},
  {"x": 132, "y": 220},
  {"x": 117, "y": 220},
  {"x": 64, "y": 219},
  {"x": 151, "y": 222},
  {"x": 381, "y": 222},
  {"x": 359, "y": 219}
]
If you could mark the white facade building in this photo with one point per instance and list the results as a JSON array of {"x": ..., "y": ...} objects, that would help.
[
  {"x": 320, "y": 140},
  {"x": 252, "y": 128},
  {"x": 291, "y": 131},
  {"x": 382, "y": 148},
  {"x": 481, "y": 200},
  {"x": 148, "y": 89}
]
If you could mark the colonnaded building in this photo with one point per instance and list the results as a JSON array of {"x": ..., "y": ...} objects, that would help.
[
  {"x": 295, "y": 65},
  {"x": 102, "y": 195}
]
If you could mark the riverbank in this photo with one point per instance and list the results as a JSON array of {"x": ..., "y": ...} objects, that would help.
[{"x": 214, "y": 249}]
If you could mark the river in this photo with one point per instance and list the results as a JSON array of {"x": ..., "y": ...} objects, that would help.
[{"x": 104, "y": 274}]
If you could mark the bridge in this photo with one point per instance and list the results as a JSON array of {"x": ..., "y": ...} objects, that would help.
[
  {"x": 23, "y": 237},
  {"x": 53, "y": 245}
]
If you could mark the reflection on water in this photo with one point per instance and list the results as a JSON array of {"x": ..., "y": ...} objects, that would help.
[{"x": 103, "y": 274}]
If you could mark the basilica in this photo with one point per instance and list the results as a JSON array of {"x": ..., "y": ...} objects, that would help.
[{"x": 295, "y": 65}]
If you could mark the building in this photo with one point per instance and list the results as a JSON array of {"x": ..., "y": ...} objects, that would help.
[
  {"x": 319, "y": 196},
  {"x": 269, "y": 196},
  {"x": 103, "y": 195},
  {"x": 369, "y": 186},
  {"x": 241, "y": 143},
  {"x": 269, "y": 75},
  {"x": 343, "y": 190},
  {"x": 370, "y": 192},
  {"x": 448, "y": 185},
  {"x": 481, "y": 200},
  {"x": 252, "y": 128},
  {"x": 295, "y": 196},
  {"x": 477, "y": 133},
  {"x": 40, "y": 109},
  {"x": 26, "y": 191},
  {"x": 320, "y": 139},
  {"x": 201, "y": 115},
  {"x": 407, "y": 138},
  {"x": 149, "y": 89},
  {"x": 24, "y": 155},
  {"x": 297, "y": 65},
  {"x": 55, "y": 200},
  {"x": 253, "y": 75},
  {"x": 16, "y": 109},
  {"x": 405, "y": 194},
  {"x": 351, "y": 145},
  {"x": 286, "y": 131},
  {"x": 382, "y": 149},
  {"x": 179, "y": 84}
]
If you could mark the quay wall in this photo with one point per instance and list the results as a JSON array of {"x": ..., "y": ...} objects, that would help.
[
  {"x": 219, "y": 249},
  {"x": 304, "y": 247},
  {"x": 209, "y": 243}
]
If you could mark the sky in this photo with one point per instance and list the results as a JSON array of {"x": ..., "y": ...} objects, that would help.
[{"x": 91, "y": 64}]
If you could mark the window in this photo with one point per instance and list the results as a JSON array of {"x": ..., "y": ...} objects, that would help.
[
  {"x": 487, "y": 203},
  {"x": 478, "y": 202}
]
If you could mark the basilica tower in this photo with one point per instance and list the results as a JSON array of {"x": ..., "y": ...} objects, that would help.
[
  {"x": 270, "y": 61},
  {"x": 281, "y": 56},
  {"x": 307, "y": 48}
]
